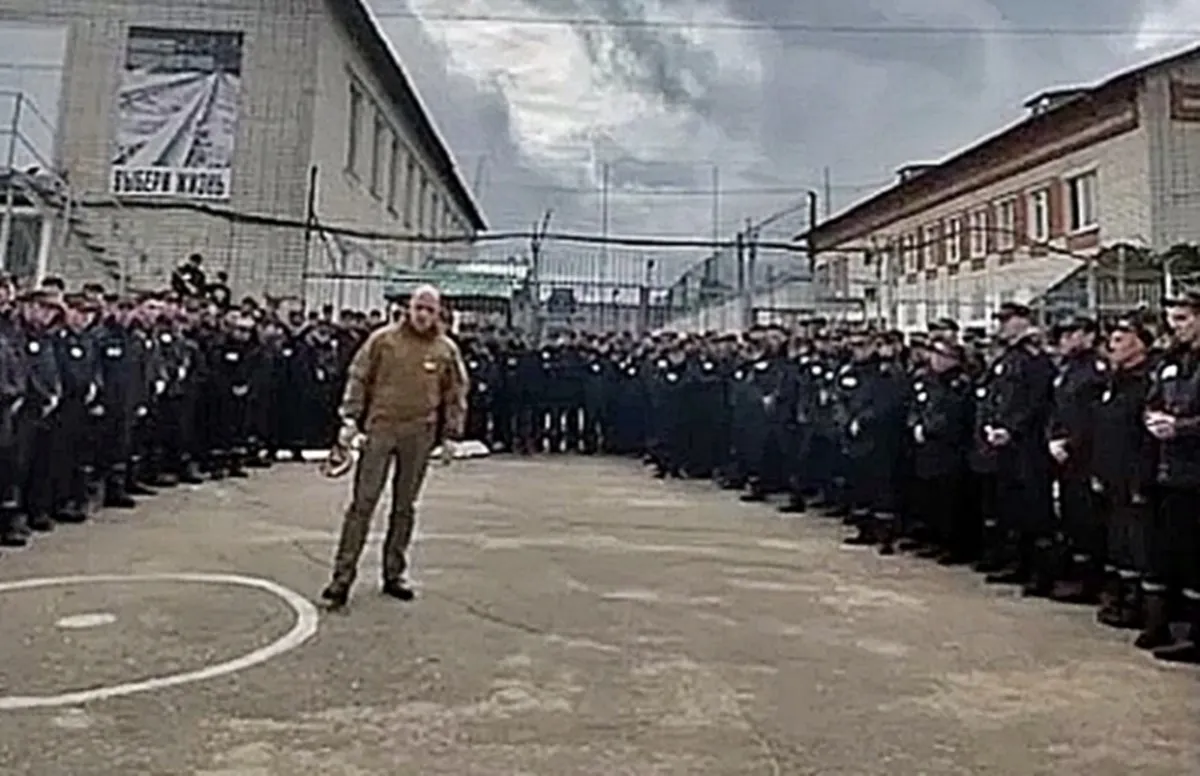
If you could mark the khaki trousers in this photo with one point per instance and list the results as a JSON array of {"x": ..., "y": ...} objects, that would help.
[{"x": 407, "y": 454}]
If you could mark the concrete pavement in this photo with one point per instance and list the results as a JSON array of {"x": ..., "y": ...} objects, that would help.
[{"x": 576, "y": 617}]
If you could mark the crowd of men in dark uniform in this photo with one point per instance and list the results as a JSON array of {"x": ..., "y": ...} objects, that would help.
[
  {"x": 106, "y": 399},
  {"x": 1066, "y": 462}
]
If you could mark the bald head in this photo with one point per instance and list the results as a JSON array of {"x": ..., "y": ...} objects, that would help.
[
  {"x": 424, "y": 308},
  {"x": 427, "y": 294}
]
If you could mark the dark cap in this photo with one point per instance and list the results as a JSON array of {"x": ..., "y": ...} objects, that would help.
[
  {"x": 1076, "y": 323},
  {"x": 1190, "y": 299},
  {"x": 1135, "y": 326},
  {"x": 944, "y": 324},
  {"x": 1013, "y": 310},
  {"x": 948, "y": 349}
]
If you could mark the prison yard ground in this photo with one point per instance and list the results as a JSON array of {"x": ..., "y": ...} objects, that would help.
[{"x": 575, "y": 617}]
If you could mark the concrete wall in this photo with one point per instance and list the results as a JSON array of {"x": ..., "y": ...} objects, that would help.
[
  {"x": 275, "y": 119},
  {"x": 1174, "y": 162},
  {"x": 297, "y": 67},
  {"x": 413, "y": 201}
]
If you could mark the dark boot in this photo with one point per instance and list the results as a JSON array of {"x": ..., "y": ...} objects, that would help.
[
  {"x": 334, "y": 597},
  {"x": 1111, "y": 600},
  {"x": 13, "y": 531},
  {"x": 1156, "y": 621},
  {"x": 997, "y": 552},
  {"x": 1128, "y": 614},
  {"x": 1186, "y": 651},
  {"x": 795, "y": 505},
  {"x": 135, "y": 481},
  {"x": 115, "y": 495},
  {"x": 73, "y": 513},
  {"x": 886, "y": 529},
  {"x": 866, "y": 535},
  {"x": 189, "y": 474},
  {"x": 41, "y": 523},
  {"x": 755, "y": 495},
  {"x": 1044, "y": 564}
]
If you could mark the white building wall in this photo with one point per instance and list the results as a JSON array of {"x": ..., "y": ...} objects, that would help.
[
  {"x": 1174, "y": 152},
  {"x": 297, "y": 62},
  {"x": 416, "y": 201},
  {"x": 274, "y": 120}
]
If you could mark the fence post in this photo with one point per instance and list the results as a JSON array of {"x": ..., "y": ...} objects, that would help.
[{"x": 10, "y": 194}]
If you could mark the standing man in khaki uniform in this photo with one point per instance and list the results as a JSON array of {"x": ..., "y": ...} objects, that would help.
[{"x": 400, "y": 380}]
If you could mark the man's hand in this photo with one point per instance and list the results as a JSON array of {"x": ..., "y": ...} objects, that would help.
[
  {"x": 1161, "y": 425},
  {"x": 1058, "y": 450},
  {"x": 996, "y": 437},
  {"x": 348, "y": 434}
]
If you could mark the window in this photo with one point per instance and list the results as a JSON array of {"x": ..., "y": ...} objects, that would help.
[
  {"x": 422, "y": 206},
  {"x": 1082, "y": 195},
  {"x": 1039, "y": 216},
  {"x": 929, "y": 246},
  {"x": 410, "y": 191},
  {"x": 355, "y": 130},
  {"x": 954, "y": 240},
  {"x": 908, "y": 252},
  {"x": 979, "y": 234},
  {"x": 394, "y": 168},
  {"x": 910, "y": 313},
  {"x": 378, "y": 149},
  {"x": 1006, "y": 224},
  {"x": 435, "y": 215}
]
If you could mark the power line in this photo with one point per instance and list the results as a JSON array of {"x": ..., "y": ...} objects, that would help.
[
  {"x": 685, "y": 192},
  {"x": 790, "y": 26}
]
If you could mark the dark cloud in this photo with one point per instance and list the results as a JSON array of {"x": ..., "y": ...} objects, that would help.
[{"x": 861, "y": 104}]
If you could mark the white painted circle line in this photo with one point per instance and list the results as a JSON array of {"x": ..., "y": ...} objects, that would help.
[
  {"x": 307, "y": 621},
  {"x": 83, "y": 621}
]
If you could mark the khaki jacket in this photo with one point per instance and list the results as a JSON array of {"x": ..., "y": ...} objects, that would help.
[{"x": 400, "y": 379}]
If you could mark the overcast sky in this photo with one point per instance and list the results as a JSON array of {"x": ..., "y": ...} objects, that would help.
[{"x": 532, "y": 111}]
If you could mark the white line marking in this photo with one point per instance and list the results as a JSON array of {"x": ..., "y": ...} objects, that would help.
[
  {"x": 82, "y": 621},
  {"x": 307, "y": 621}
]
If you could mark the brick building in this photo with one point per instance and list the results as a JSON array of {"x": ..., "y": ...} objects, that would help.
[
  {"x": 171, "y": 115},
  {"x": 1024, "y": 210}
]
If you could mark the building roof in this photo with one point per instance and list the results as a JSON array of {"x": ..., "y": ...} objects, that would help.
[
  {"x": 452, "y": 284},
  {"x": 365, "y": 29},
  {"x": 1069, "y": 101}
]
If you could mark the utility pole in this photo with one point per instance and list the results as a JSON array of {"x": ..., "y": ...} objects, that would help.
[
  {"x": 1122, "y": 281},
  {"x": 310, "y": 221},
  {"x": 812, "y": 224},
  {"x": 751, "y": 272},
  {"x": 536, "y": 238},
  {"x": 604, "y": 258},
  {"x": 828, "y": 192},
  {"x": 716, "y": 206}
]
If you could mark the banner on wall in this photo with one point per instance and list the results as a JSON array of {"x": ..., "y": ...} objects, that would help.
[{"x": 177, "y": 114}]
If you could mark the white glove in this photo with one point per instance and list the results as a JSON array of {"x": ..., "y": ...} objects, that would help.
[
  {"x": 854, "y": 428},
  {"x": 348, "y": 435},
  {"x": 996, "y": 437},
  {"x": 92, "y": 392},
  {"x": 51, "y": 406},
  {"x": 919, "y": 434},
  {"x": 160, "y": 387},
  {"x": 1058, "y": 450}
]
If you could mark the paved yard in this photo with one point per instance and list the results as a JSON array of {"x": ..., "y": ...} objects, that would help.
[{"x": 577, "y": 617}]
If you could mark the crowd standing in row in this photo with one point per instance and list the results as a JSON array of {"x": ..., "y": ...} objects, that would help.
[
  {"x": 1066, "y": 462},
  {"x": 106, "y": 400}
]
